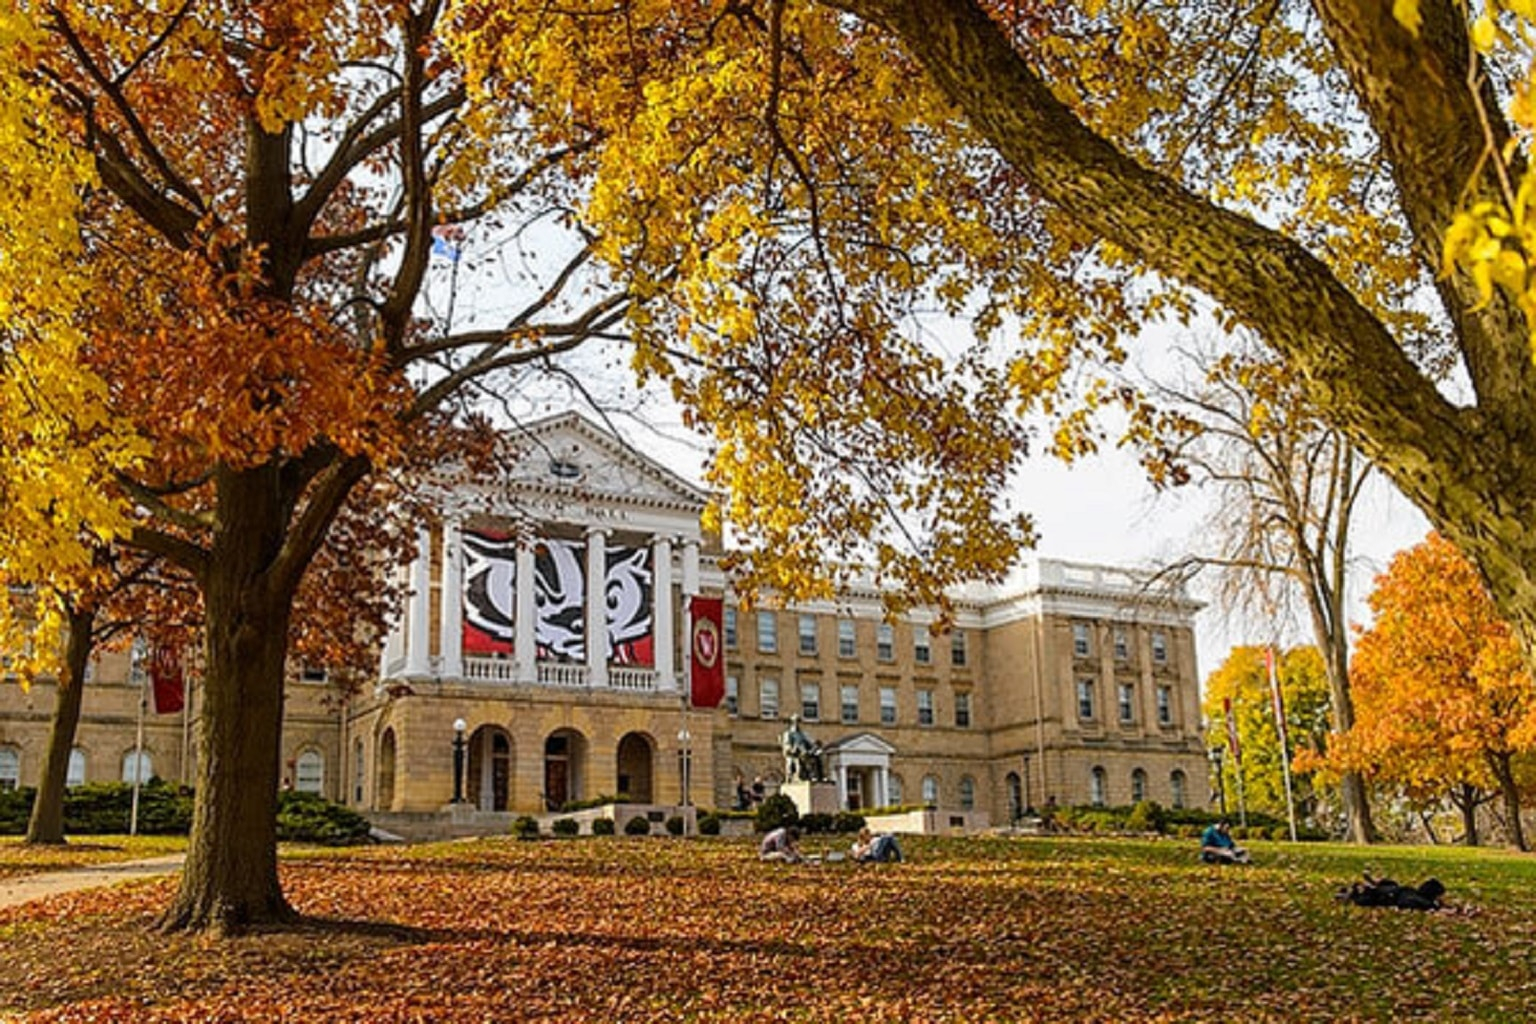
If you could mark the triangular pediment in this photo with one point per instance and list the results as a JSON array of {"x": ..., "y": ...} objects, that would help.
[{"x": 861, "y": 743}]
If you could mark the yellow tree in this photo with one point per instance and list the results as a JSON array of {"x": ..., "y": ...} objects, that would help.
[
  {"x": 1243, "y": 680},
  {"x": 1444, "y": 702},
  {"x": 1299, "y": 166}
]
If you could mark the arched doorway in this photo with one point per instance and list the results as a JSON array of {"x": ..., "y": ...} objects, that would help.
[
  {"x": 636, "y": 756},
  {"x": 385, "y": 790},
  {"x": 564, "y": 754},
  {"x": 488, "y": 776},
  {"x": 1015, "y": 796}
]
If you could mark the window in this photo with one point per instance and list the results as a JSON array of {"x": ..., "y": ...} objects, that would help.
[
  {"x": 1164, "y": 705},
  {"x": 850, "y": 701},
  {"x": 922, "y": 645},
  {"x": 10, "y": 768},
  {"x": 732, "y": 695},
  {"x": 768, "y": 698},
  {"x": 358, "y": 765},
  {"x": 967, "y": 793},
  {"x": 924, "y": 707},
  {"x": 957, "y": 648},
  {"x": 563, "y": 469},
  {"x": 309, "y": 772},
  {"x": 962, "y": 710},
  {"x": 1160, "y": 648},
  {"x": 930, "y": 790},
  {"x": 1138, "y": 786},
  {"x": 767, "y": 633},
  {"x": 75, "y": 776},
  {"x": 894, "y": 790},
  {"x": 885, "y": 642},
  {"x": 312, "y": 674},
  {"x": 1082, "y": 645},
  {"x": 847, "y": 639},
  {"x": 887, "y": 705},
  {"x": 1098, "y": 787},
  {"x": 1085, "y": 698},
  {"x": 729, "y": 625},
  {"x": 1122, "y": 645},
  {"x": 141, "y": 759},
  {"x": 807, "y": 634},
  {"x": 810, "y": 701},
  {"x": 1176, "y": 783},
  {"x": 1127, "y": 703}
]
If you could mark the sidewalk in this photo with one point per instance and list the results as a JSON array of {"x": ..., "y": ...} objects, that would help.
[{"x": 27, "y": 888}]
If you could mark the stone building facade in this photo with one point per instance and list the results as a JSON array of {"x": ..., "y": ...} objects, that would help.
[{"x": 1068, "y": 682}]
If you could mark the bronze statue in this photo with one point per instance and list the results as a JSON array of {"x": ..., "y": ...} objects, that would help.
[{"x": 802, "y": 755}]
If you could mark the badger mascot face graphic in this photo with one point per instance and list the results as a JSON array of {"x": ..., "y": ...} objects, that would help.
[{"x": 559, "y": 594}]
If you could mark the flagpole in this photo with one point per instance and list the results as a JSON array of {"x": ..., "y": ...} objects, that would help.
[
  {"x": 1280, "y": 732},
  {"x": 685, "y": 737}
]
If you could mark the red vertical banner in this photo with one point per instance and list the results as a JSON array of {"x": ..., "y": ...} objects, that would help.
[
  {"x": 166, "y": 681},
  {"x": 1232, "y": 744},
  {"x": 706, "y": 686}
]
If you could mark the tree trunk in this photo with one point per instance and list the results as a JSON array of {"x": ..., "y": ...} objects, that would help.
[
  {"x": 1510, "y": 791},
  {"x": 46, "y": 824},
  {"x": 1352, "y": 792},
  {"x": 230, "y": 878},
  {"x": 1467, "y": 804}
]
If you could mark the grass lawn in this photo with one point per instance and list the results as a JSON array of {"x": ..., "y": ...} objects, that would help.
[
  {"x": 80, "y": 852},
  {"x": 616, "y": 929}
]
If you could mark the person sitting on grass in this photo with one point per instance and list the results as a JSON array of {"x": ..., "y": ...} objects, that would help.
[
  {"x": 1218, "y": 847},
  {"x": 869, "y": 848},
  {"x": 782, "y": 844}
]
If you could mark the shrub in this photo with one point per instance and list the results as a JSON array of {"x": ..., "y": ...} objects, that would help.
[
  {"x": 818, "y": 823},
  {"x": 526, "y": 827},
  {"x": 15, "y": 810},
  {"x": 602, "y": 826},
  {"x": 595, "y": 801},
  {"x": 775, "y": 812},
  {"x": 847, "y": 822},
  {"x": 1146, "y": 816},
  {"x": 675, "y": 825},
  {"x": 310, "y": 818},
  {"x": 639, "y": 825},
  {"x": 565, "y": 827},
  {"x": 709, "y": 825}
]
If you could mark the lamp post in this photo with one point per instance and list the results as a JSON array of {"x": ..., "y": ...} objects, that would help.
[
  {"x": 685, "y": 754},
  {"x": 459, "y": 725},
  {"x": 1216, "y": 755}
]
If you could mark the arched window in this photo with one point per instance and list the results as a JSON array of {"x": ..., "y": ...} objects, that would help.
[
  {"x": 384, "y": 789},
  {"x": 10, "y": 768},
  {"x": 309, "y": 772},
  {"x": 76, "y": 774},
  {"x": 146, "y": 767},
  {"x": 1176, "y": 782},
  {"x": 1015, "y": 796},
  {"x": 1138, "y": 786},
  {"x": 931, "y": 790},
  {"x": 1098, "y": 787},
  {"x": 967, "y": 793},
  {"x": 358, "y": 767}
]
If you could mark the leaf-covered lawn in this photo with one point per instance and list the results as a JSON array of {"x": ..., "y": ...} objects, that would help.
[
  {"x": 17, "y": 858},
  {"x": 657, "y": 930}
]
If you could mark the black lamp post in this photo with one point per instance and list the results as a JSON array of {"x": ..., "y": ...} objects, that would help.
[
  {"x": 1216, "y": 756},
  {"x": 459, "y": 743}
]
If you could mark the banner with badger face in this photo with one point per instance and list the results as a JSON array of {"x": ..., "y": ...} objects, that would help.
[{"x": 559, "y": 587}]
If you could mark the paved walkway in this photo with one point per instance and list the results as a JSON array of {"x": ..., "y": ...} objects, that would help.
[{"x": 26, "y": 888}]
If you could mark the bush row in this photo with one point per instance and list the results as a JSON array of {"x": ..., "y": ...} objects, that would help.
[{"x": 1149, "y": 816}]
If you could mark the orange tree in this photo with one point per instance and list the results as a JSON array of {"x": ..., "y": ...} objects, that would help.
[
  {"x": 268, "y": 196},
  {"x": 1445, "y": 704},
  {"x": 1343, "y": 177}
]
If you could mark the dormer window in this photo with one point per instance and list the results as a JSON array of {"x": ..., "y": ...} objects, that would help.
[{"x": 564, "y": 469}]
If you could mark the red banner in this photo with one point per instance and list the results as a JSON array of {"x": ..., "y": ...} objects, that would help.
[
  {"x": 707, "y": 658},
  {"x": 166, "y": 682}
]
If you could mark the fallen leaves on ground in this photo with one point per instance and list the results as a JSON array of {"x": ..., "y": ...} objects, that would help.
[
  {"x": 655, "y": 930},
  {"x": 17, "y": 858}
]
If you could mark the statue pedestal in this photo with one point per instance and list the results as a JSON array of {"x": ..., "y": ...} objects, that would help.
[{"x": 812, "y": 797}]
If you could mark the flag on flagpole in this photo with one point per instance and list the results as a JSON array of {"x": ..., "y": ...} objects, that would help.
[
  {"x": 1232, "y": 744},
  {"x": 706, "y": 665},
  {"x": 1275, "y": 696},
  {"x": 166, "y": 682}
]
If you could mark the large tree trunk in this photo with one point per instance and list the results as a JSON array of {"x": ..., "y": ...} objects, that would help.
[
  {"x": 1467, "y": 802},
  {"x": 230, "y": 879},
  {"x": 46, "y": 824},
  {"x": 1504, "y": 771},
  {"x": 1352, "y": 792}
]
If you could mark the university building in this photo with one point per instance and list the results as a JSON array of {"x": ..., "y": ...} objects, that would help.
[{"x": 497, "y": 696}]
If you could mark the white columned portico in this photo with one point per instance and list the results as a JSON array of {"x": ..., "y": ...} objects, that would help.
[
  {"x": 597, "y": 606},
  {"x": 882, "y": 790},
  {"x": 842, "y": 786},
  {"x": 450, "y": 606},
  {"x": 417, "y": 657},
  {"x": 690, "y": 567},
  {"x": 665, "y": 638},
  {"x": 525, "y": 644}
]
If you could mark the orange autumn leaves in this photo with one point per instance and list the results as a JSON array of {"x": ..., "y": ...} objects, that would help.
[{"x": 1441, "y": 694}]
